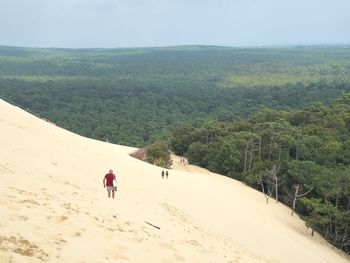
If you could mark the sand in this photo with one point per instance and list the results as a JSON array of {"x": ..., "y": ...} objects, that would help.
[{"x": 53, "y": 207}]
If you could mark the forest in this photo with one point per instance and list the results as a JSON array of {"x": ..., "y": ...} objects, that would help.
[
  {"x": 137, "y": 96},
  {"x": 299, "y": 157},
  {"x": 277, "y": 119}
]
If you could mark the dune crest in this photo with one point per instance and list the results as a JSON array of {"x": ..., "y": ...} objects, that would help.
[{"x": 54, "y": 208}]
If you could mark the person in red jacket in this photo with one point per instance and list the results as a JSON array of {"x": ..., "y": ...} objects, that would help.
[{"x": 108, "y": 182}]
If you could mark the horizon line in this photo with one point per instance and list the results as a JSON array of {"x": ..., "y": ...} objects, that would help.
[{"x": 343, "y": 45}]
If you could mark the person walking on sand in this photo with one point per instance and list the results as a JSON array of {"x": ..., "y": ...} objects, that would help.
[
  {"x": 108, "y": 182},
  {"x": 166, "y": 174},
  {"x": 163, "y": 174}
]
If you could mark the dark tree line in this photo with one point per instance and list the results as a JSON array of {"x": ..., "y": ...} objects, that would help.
[{"x": 301, "y": 158}]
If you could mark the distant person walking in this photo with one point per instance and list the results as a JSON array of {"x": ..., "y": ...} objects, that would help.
[
  {"x": 163, "y": 174},
  {"x": 108, "y": 182},
  {"x": 166, "y": 174}
]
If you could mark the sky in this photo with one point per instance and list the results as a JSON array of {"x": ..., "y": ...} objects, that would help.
[{"x": 149, "y": 23}]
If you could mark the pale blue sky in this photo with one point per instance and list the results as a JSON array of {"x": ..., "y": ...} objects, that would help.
[{"x": 141, "y": 23}]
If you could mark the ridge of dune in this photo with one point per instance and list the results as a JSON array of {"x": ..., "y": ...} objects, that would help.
[{"x": 54, "y": 208}]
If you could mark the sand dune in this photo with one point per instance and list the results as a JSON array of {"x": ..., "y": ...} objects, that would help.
[{"x": 54, "y": 208}]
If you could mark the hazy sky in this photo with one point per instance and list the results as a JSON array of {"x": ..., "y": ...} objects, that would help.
[{"x": 131, "y": 23}]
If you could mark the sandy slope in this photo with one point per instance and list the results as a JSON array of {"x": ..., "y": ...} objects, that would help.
[{"x": 53, "y": 207}]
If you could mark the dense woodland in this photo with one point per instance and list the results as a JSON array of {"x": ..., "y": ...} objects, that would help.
[
  {"x": 277, "y": 119},
  {"x": 137, "y": 96},
  {"x": 301, "y": 158}
]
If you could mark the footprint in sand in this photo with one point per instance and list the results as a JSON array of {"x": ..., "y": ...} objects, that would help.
[
  {"x": 138, "y": 239},
  {"x": 4, "y": 169},
  {"x": 57, "y": 219},
  {"x": 29, "y": 203},
  {"x": 192, "y": 242},
  {"x": 22, "y": 192},
  {"x": 70, "y": 208},
  {"x": 60, "y": 242},
  {"x": 57, "y": 241},
  {"x": 46, "y": 194},
  {"x": 21, "y": 127},
  {"x": 19, "y": 217},
  {"x": 176, "y": 213},
  {"x": 21, "y": 246}
]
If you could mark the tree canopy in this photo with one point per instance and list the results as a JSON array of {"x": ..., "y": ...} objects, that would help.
[
  {"x": 301, "y": 157},
  {"x": 137, "y": 96}
]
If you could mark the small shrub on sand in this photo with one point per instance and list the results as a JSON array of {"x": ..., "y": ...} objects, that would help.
[
  {"x": 157, "y": 153},
  {"x": 139, "y": 154}
]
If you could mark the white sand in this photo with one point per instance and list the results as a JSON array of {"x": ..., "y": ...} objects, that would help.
[{"x": 54, "y": 208}]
